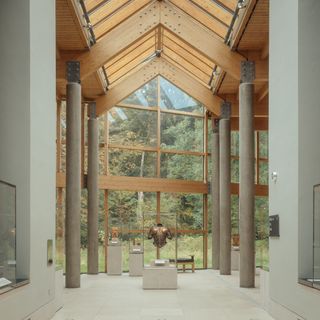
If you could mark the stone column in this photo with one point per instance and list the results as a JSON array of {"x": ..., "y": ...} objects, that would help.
[
  {"x": 215, "y": 187},
  {"x": 225, "y": 190},
  {"x": 73, "y": 177},
  {"x": 93, "y": 190},
  {"x": 247, "y": 159}
]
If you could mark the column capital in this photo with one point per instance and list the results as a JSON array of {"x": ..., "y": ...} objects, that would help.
[
  {"x": 92, "y": 112},
  {"x": 215, "y": 124},
  {"x": 225, "y": 110},
  {"x": 247, "y": 73},
  {"x": 73, "y": 71}
]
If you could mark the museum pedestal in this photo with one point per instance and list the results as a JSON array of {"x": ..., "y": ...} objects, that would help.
[
  {"x": 235, "y": 259},
  {"x": 135, "y": 264},
  {"x": 164, "y": 277},
  {"x": 114, "y": 259}
]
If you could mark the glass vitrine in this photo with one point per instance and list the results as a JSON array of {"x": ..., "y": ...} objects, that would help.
[{"x": 7, "y": 236}]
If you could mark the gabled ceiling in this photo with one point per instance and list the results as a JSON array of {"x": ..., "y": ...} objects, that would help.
[{"x": 200, "y": 41}]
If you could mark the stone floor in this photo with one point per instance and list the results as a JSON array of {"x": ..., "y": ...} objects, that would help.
[{"x": 200, "y": 296}]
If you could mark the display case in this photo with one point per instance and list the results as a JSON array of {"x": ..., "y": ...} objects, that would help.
[
  {"x": 8, "y": 277},
  {"x": 316, "y": 237}
]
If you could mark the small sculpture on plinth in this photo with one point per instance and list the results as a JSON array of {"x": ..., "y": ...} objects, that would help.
[
  {"x": 159, "y": 234},
  {"x": 114, "y": 235}
]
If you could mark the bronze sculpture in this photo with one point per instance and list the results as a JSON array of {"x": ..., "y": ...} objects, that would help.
[{"x": 159, "y": 234}]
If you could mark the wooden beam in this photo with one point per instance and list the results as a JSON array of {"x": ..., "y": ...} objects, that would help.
[
  {"x": 194, "y": 60},
  {"x": 264, "y": 91},
  {"x": 136, "y": 52},
  {"x": 144, "y": 184},
  {"x": 184, "y": 67},
  {"x": 117, "y": 40},
  {"x": 78, "y": 18},
  {"x": 260, "y": 190},
  {"x": 261, "y": 106},
  {"x": 192, "y": 87},
  {"x": 127, "y": 86},
  {"x": 132, "y": 64},
  {"x": 116, "y": 18},
  {"x": 201, "y": 16},
  {"x": 265, "y": 51},
  {"x": 179, "y": 78},
  {"x": 241, "y": 23},
  {"x": 157, "y": 185},
  {"x": 207, "y": 43},
  {"x": 259, "y": 124}
]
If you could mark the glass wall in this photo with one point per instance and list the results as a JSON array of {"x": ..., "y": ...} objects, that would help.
[{"x": 160, "y": 132}]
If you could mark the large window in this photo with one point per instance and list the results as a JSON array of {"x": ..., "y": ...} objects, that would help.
[
  {"x": 158, "y": 132},
  {"x": 161, "y": 134}
]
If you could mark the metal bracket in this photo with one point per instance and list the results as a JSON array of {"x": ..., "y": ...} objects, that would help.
[
  {"x": 92, "y": 110},
  {"x": 225, "y": 110},
  {"x": 248, "y": 71},
  {"x": 73, "y": 71}
]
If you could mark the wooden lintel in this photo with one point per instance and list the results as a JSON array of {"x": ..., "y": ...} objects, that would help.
[
  {"x": 260, "y": 190},
  {"x": 157, "y": 185},
  {"x": 127, "y": 86},
  {"x": 264, "y": 91},
  {"x": 265, "y": 51},
  {"x": 259, "y": 124},
  {"x": 182, "y": 80},
  {"x": 261, "y": 106}
]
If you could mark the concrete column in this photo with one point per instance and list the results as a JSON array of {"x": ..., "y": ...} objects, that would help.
[
  {"x": 247, "y": 159},
  {"x": 93, "y": 190},
  {"x": 215, "y": 193},
  {"x": 73, "y": 179},
  {"x": 225, "y": 190}
]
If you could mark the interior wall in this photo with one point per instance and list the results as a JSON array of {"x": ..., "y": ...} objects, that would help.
[
  {"x": 294, "y": 131},
  {"x": 27, "y": 139}
]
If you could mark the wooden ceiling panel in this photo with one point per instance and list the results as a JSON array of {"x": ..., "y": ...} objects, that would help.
[
  {"x": 186, "y": 65},
  {"x": 256, "y": 33},
  {"x": 168, "y": 34},
  {"x": 230, "y": 86},
  {"x": 128, "y": 50},
  {"x": 91, "y": 4},
  {"x": 106, "y": 10},
  {"x": 69, "y": 35},
  {"x": 202, "y": 17},
  {"x": 91, "y": 87},
  {"x": 147, "y": 45},
  {"x": 131, "y": 64},
  {"x": 230, "y": 4},
  {"x": 167, "y": 42},
  {"x": 215, "y": 10},
  {"x": 119, "y": 16}
]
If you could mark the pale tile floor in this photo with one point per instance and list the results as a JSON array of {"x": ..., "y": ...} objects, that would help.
[{"x": 202, "y": 295}]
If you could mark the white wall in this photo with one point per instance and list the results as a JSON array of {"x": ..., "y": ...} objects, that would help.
[
  {"x": 27, "y": 139},
  {"x": 294, "y": 151}
]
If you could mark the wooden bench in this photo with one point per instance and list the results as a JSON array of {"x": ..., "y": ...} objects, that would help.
[{"x": 186, "y": 261}]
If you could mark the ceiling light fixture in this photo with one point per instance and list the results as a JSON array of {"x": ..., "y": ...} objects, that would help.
[{"x": 241, "y": 4}]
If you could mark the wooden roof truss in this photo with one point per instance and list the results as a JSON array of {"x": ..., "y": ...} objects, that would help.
[{"x": 182, "y": 40}]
